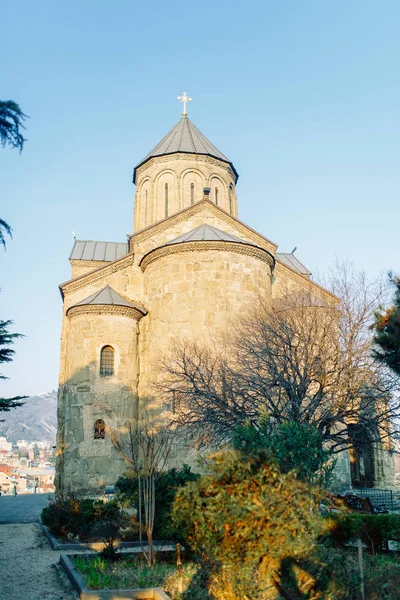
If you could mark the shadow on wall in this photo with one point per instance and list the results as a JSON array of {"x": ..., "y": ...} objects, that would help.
[{"x": 96, "y": 413}]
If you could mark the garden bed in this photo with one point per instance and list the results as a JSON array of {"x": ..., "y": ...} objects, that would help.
[
  {"x": 130, "y": 577},
  {"x": 161, "y": 546}
]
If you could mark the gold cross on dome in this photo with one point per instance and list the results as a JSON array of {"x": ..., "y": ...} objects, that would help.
[{"x": 185, "y": 99}]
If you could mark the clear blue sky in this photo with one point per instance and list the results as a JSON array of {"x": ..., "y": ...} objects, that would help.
[{"x": 303, "y": 97}]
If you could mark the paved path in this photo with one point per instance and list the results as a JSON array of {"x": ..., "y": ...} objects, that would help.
[
  {"x": 29, "y": 569},
  {"x": 24, "y": 508}
]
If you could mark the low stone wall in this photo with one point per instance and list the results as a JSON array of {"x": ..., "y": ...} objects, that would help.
[{"x": 87, "y": 594}]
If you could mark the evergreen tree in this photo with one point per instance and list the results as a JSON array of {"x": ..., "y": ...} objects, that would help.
[
  {"x": 6, "y": 355},
  {"x": 4, "y": 228},
  {"x": 11, "y": 121},
  {"x": 387, "y": 336},
  {"x": 11, "y": 118}
]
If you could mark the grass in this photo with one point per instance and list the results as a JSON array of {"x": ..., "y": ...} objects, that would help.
[
  {"x": 382, "y": 576},
  {"x": 132, "y": 571}
]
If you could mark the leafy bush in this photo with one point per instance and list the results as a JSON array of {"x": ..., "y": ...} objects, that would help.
[
  {"x": 296, "y": 447},
  {"x": 256, "y": 526},
  {"x": 70, "y": 516},
  {"x": 374, "y": 530},
  {"x": 167, "y": 483}
]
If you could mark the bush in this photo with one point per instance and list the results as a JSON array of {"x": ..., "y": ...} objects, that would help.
[
  {"x": 374, "y": 530},
  {"x": 381, "y": 574},
  {"x": 167, "y": 483},
  {"x": 295, "y": 447},
  {"x": 69, "y": 516},
  {"x": 256, "y": 526}
]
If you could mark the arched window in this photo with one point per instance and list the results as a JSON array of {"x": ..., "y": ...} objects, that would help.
[
  {"x": 192, "y": 193},
  {"x": 216, "y": 196},
  {"x": 107, "y": 361},
  {"x": 145, "y": 209},
  {"x": 166, "y": 199},
  {"x": 230, "y": 200},
  {"x": 99, "y": 430}
]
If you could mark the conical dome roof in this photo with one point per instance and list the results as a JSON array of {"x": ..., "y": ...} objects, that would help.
[
  {"x": 108, "y": 296},
  {"x": 186, "y": 138}
]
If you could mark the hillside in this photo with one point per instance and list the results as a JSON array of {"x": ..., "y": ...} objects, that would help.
[{"x": 34, "y": 421}]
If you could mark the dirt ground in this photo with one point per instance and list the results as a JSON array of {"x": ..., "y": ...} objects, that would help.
[{"x": 29, "y": 568}]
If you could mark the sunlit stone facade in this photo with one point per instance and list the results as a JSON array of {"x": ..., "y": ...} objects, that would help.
[{"x": 138, "y": 298}]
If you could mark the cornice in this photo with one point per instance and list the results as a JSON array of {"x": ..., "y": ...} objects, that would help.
[
  {"x": 206, "y": 246},
  {"x": 183, "y": 156},
  {"x": 106, "y": 309},
  {"x": 95, "y": 264},
  {"x": 93, "y": 276},
  {"x": 148, "y": 232}
]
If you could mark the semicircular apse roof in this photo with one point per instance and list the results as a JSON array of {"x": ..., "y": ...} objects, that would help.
[
  {"x": 206, "y": 233},
  {"x": 108, "y": 296}
]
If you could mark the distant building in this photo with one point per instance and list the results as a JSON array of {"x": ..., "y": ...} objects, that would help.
[{"x": 5, "y": 446}]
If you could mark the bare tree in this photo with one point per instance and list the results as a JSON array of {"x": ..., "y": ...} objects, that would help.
[
  {"x": 303, "y": 359},
  {"x": 145, "y": 445}
]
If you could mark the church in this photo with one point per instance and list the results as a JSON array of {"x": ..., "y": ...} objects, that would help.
[{"x": 188, "y": 267}]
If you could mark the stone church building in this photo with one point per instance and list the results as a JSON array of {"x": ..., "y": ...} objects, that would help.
[{"x": 189, "y": 266}]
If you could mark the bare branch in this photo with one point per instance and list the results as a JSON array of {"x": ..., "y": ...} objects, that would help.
[{"x": 301, "y": 360}]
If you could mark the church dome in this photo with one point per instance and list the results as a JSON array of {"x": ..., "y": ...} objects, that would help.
[
  {"x": 185, "y": 138},
  {"x": 174, "y": 175}
]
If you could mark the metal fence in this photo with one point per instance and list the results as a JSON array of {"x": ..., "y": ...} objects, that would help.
[{"x": 379, "y": 498}]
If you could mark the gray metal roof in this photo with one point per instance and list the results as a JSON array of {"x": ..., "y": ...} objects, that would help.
[
  {"x": 108, "y": 296},
  {"x": 104, "y": 251},
  {"x": 184, "y": 137},
  {"x": 290, "y": 260},
  {"x": 206, "y": 233}
]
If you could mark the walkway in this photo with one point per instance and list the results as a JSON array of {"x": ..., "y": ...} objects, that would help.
[
  {"x": 29, "y": 568},
  {"x": 25, "y": 508}
]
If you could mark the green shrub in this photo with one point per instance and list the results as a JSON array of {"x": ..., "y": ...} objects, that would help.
[
  {"x": 374, "y": 530},
  {"x": 167, "y": 483},
  {"x": 69, "y": 516},
  {"x": 295, "y": 447}
]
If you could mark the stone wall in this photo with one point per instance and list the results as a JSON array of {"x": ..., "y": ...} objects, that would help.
[
  {"x": 196, "y": 295},
  {"x": 81, "y": 267},
  {"x": 167, "y": 184},
  {"x": 286, "y": 281},
  {"x": 83, "y": 462},
  {"x": 205, "y": 213}
]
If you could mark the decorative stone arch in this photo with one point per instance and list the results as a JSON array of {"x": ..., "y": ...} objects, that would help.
[
  {"x": 145, "y": 203},
  {"x": 218, "y": 193},
  {"x": 206, "y": 245},
  {"x": 192, "y": 183},
  {"x": 166, "y": 195},
  {"x": 232, "y": 200}
]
